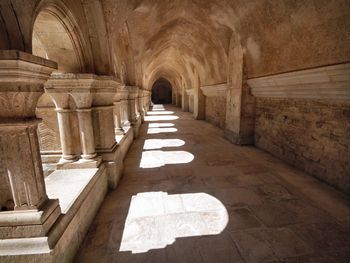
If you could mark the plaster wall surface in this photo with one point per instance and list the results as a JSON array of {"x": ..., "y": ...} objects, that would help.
[{"x": 312, "y": 135}]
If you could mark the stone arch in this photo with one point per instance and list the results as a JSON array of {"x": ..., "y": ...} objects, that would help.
[
  {"x": 162, "y": 91},
  {"x": 56, "y": 36}
]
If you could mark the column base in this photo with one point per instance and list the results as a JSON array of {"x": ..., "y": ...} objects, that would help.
[
  {"x": 135, "y": 124},
  {"x": 126, "y": 124},
  {"x": 119, "y": 131},
  {"x": 80, "y": 164},
  {"x": 88, "y": 157},
  {"x": 67, "y": 159},
  {"x": 29, "y": 223}
]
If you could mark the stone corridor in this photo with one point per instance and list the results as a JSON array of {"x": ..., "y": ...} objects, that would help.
[
  {"x": 174, "y": 131},
  {"x": 250, "y": 206}
]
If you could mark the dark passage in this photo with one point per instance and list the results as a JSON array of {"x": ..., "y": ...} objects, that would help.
[{"x": 161, "y": 92}]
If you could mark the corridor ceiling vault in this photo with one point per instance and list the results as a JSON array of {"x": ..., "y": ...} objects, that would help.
[
  {"x": 164, "y": 107},
  {"x": 140, "y": 41}
]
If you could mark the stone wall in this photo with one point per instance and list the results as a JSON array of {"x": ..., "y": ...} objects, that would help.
[
  {"x": 215, "y": 110},
  {"x": 313, "y": 135}
]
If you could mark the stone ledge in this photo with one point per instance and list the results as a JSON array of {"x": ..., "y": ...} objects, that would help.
[
  {"x": 329, "y": 82},
  {"x": 20, "y": 55},
  {"x": 217, "y": 90},
  {"x": 79, "y": 208}
]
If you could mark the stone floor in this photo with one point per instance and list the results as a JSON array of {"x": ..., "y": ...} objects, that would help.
[{"x": 188, "y": 195}]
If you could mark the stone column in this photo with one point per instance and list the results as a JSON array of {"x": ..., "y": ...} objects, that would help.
[
  {"x": 118, "y": 127},
  {"x": 185, "y": 100},
  {"x": 124, "y": 107},
  {"x": 86, "y": 134},
  {"x": 132, "y": 110},
  {"x": 199, "y": 100},
  {"x": 132, "y": 100},
  {"x": 21, "y": 163},
  {"x": 140, "y": 100},
  {"x": 61, "y": 101},
  {"x": 240, "y": 104},
  {"x": 103, "y": 91},
  {"x": 178, "y": 100},
  {"x": 22, "y": 182},
  {"x": 173, "y": 98},
  {"x": 79, "y": 87},
  {"x": 63, "y": 116}
]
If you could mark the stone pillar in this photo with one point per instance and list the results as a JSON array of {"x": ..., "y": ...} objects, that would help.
[
  {"x": 132, "y": 110},
  {"x": 190, "y": 95},
  {"x": 104, "y": 90},
  {"x": 173, "y": 98},
  {"x": 80, "y": 88},
  {"x": 199, "y": 100},
  {"x": 185, "y": 100},
  {"x": 61, "y": 101},
  {"x": 23, "y": 196},
  {"x": 132, "y": 99},
  {"x": 124, "y": 106},
  {"x": 240, "y": 104},
  {"x": 118, "y": 127},
  {"x": 86, "y": 134},
  {"x": 178, "y": 100},
  {"x": 21, "y": 163},
  {"x": 68, "y": 154},
  {"x": 141, "y": 106}
]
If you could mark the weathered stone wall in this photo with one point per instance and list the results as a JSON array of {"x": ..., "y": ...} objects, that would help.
[
  {"x": 215, "y": 110},
  {"x": 313, "y": 135}
]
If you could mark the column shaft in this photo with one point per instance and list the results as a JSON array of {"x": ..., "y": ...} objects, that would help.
[
  {"x": 117, "y": 118},
  {"x": 132, "y": 110},
  {"x": 86, "y": 133},
  {"x": 68, "y": 154},
  {"x": 125, "y": 112}
]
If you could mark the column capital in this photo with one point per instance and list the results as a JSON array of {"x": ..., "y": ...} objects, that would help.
[
  {"x": 122, "y": 94},
  {"x": 133, "y": 91},
  {"x": 79, "y": 86},
  {"x": 60, "y": 99},
  {"x": 86, "y": 89},
  {"x": 22, "y": 78},
  {"x": 104, "y": 90}
]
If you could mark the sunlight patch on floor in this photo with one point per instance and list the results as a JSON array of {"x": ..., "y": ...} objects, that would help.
[
  {"x": 160, "y": 112},
  {"x": 156, "y": 219},
  {"x": 158, "y": 125},
  {"x": 160, "y": 130},
  {"x": 158, "y": 107},
  {"x": 153, "y": 159},
  {"x": 152, "y": 144},
  {"x": 161, "y": 118}
]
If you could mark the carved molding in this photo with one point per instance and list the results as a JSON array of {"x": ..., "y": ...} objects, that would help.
[
  {"x": 22, "y": 77},
  {"x": 217, "y": 90},
  {"x": 21, "y": 67},
  {"x": 329, "y": 82},
  {"x": 86, "y": 89},
  {"x": 132, "y": 91}
]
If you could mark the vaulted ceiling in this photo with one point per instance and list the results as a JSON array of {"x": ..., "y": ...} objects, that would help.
[{"x": 140, "y": 41}]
